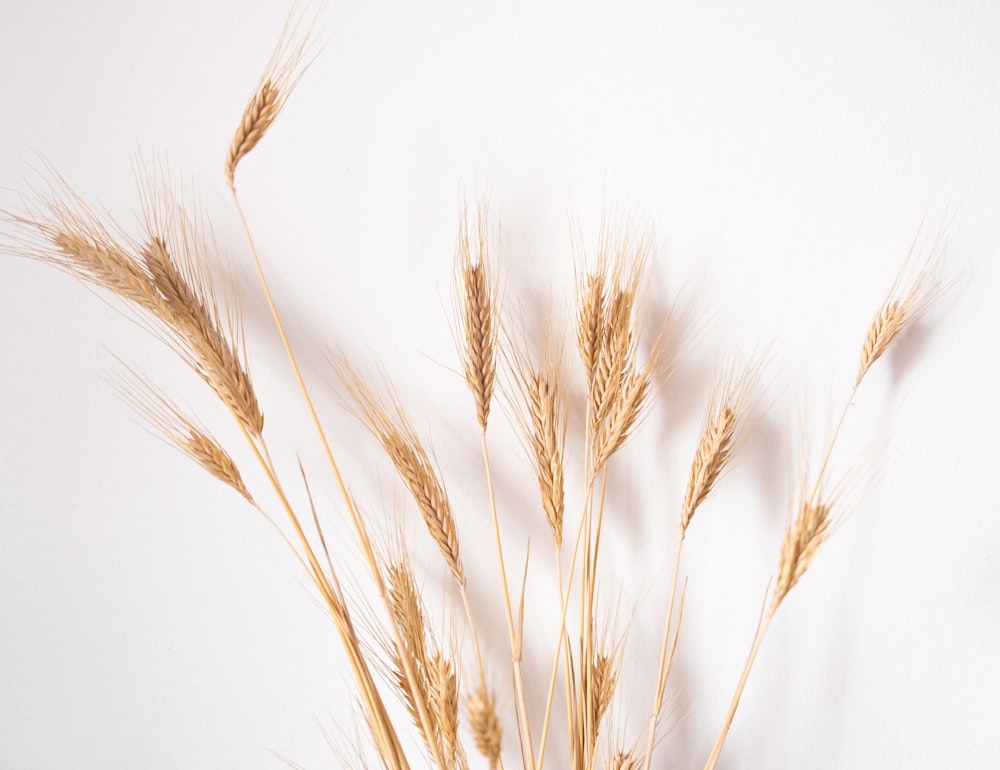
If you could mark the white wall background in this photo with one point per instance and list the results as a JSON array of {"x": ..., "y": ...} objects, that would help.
[{"x": 786, "y": 153}]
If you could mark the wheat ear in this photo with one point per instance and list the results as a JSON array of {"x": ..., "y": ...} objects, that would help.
[
  {"x": 435, "y": 682},
  {"x": 485, "y": 725},
  {"x": 184, "y": 433},
  {"x": 205, "y": 313},
  {"x": 543, "y": 424},
  {"x": 477, "y": 285},
  {"x": 389, "y": 424},
  {"x": 294, "y": 52},
  {"x": 164, "y": 276},
  {"x": 912, "y": 294}
]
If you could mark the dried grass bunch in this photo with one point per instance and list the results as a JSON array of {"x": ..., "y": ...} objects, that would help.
[{"x": 165, "y": 274}]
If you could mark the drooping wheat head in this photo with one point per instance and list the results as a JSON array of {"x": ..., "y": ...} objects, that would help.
[
  {"x": 294, "y": 52},
  {"x": 57, "y": 227},
  {"x": 178, "y": 254},
  {"x": 389, "y": 424},
  {"x": 166, "y": 275},
  {"x": 183, "y": 432}
]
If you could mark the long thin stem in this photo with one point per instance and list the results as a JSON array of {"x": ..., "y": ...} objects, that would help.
[
  {"x": 547, "y": 718},
  {"x": 590, "y": 591},
  {"x": 363, "y": 538},
  {"x": 758, "y": 637},
  {"x": 476, "y": 647},
  {"x": 564, "y": 599},
  {"x": 524, "y": 727},
  {"x": 389, "y": 741},
  {"x": 663, "y": 669},
  {"x": 833, "y": 440}
]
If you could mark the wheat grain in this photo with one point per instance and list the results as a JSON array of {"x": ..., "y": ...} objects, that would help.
[
  {"x": 57, "y": 227},
  {"x": 205, "y": 324},
  {"x": 260, "y": 112},
  {"x": 608, "y": 322}
]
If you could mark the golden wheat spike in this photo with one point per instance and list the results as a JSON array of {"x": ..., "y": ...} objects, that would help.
[{"x": 294, "y": 52}]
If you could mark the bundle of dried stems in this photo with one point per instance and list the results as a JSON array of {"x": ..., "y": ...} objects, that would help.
[{"x": 165, "y": 275}]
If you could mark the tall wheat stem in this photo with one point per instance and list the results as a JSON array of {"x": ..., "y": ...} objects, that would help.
[
  {"x": 590, "y": 726},
  {"x": 833, "y": 440},
  {"x": 333, "y": 596},
  {"x": 546, "y": 719},
  {"x": 758, "y": 637},
  {"x": 663, "y": 669},
  {"x": 524, "y": 728},
  {"x": 562, "y": 643},
  {"x": 565, "y": 597},
  {"x": 362, "y": 534}
]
